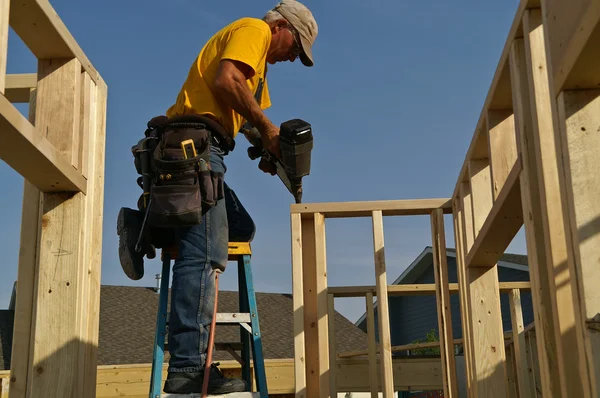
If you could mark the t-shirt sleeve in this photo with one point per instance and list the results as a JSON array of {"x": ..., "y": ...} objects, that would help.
[{"x": 247, "y": 44}]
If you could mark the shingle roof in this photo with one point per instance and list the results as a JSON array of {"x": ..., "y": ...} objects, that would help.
[
  {"x": 128, "y": 319},
  {"x": 508, "y": 257},
  {"x": 6, "y": 332}
]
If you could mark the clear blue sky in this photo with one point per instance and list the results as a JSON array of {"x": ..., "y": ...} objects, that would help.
[{"x": 394, "y": 96}]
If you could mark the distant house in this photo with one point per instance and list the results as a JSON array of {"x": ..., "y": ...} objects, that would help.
[
  {"x": 128, "y": 319},
  {"x": 412, "y": 317}
]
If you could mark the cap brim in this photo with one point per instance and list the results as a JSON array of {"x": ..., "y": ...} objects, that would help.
[{"x": 306, "y": 56}]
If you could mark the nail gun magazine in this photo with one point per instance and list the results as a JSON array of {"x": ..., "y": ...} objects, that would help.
[{"x": 296, "y": 143}]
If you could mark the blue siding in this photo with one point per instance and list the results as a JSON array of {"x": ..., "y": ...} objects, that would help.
[{"x": 411, "y": 317}]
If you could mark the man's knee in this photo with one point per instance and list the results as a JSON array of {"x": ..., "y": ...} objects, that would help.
[{"x": 241, "y": 225}]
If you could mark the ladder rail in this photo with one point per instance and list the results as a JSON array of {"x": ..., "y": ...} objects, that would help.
[{"x": 250, "y": 334}]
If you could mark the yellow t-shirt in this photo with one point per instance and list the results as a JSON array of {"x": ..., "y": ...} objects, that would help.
[{"x": 246, "y": 40}]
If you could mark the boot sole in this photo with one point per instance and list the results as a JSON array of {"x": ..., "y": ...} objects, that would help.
[{"x": 125, "y": 253}]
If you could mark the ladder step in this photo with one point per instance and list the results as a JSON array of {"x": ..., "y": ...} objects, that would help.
[
  {"x": 232, "y": 395},
  {"x": 236, "y": 345},
  {"x": 234, "y": 317},
  {"x": 225, "y": 317}
]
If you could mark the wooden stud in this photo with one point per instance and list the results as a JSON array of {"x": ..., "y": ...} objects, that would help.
[
  {"x": 519, "y": 349},
  {"x": 94, "y": 164},
  {"x": 549, "y": 169},
  {"x": 311, "y": 335},
  {"x": 464, "y": 236},
  {"x": 27, "y": 269},
  {"x": 511, "y": 382},
  {"x": 536, "y": 361},
  {"x": 533, "y": 114},
  {"x": 530, "y": 366},
  {"x": 486, "y": 321},
  {"x": 298, "y": 303},
  {"x": 411, "y": 207},
  {"x": 440, "y": 265},
  {"x": 579, "y": 124},
  {"x": 502, "y": 147},
  {"x": 374, "y": 380},
  {"x": 421, "y": 289},
  {"x": 382, "y": 306},
  {"x": 480, "y": 175},
  {"x": 332, "y": 345},
  {"x": 4, "y": 14},
  {"x": 322, "y": 305}
]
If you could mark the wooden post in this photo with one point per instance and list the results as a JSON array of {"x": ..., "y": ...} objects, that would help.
[
  {"x": 463, "y": 235},
  {"x": 382, "y": 307},
  {"x": 482, "y": 280},
  {"x": 298, "y": 303},
  {"x": 332, "y": 345},
  {"x": 440, "y": 268},
  {"x": 58, "y": 289},
  {"x": 546, "y": 247},
  {"x": 311, "y": 309},
  {"x": 374, "y": 380},
  {"x": 4, "y": 15},
  {"x": 519, "y": 349},
  {"x": 579, "y": 123}
]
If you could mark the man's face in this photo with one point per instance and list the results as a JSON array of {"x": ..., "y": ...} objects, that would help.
[{"x": 285, "y": 44}]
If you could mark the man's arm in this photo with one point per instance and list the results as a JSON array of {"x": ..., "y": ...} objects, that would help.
[{"x": 232, "y": 89}]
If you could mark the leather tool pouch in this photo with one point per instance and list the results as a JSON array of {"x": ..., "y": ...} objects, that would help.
[{"x": 179, "y": 185}]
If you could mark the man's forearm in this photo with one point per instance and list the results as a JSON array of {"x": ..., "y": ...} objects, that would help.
[{"x": 234, "y": 91}]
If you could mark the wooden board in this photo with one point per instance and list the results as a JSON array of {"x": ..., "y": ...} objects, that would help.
[
  {"x": 19, "y": 86},
  {"x": 45, "y": 34},
  {"x": 573, "y": 30},
  {"x": 407, "y": 207},
  {"x": 501, "y": 225},
  {"x": 423, "y": 289},
  {"x": 4, "y": 9},
  {"x": 33, "y": 156}
]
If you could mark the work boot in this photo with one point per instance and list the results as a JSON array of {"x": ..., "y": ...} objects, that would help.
[
  {"x": 129, "y": 225},
  {"x": 188, "y": 383}
]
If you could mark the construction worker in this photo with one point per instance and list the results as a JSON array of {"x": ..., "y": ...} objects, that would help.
[{"x": 222, "y": 84}]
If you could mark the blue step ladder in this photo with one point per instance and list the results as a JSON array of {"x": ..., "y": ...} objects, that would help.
[{"x": 247, "y": 318}]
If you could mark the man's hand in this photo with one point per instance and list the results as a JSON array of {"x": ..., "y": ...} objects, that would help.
[
  {"x": 270, "y": 141},
  {"x": 267, "y": 167}
]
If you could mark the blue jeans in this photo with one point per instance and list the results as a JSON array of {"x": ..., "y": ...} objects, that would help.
[{"x": 202, "y": 250}]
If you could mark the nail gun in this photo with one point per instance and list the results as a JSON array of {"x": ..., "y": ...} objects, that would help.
[{"x": 296, "y": 142}]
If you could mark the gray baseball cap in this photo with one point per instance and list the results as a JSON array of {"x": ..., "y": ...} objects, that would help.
[{"x": 303, "y": 21}]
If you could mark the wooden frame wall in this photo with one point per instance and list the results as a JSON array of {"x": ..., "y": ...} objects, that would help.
[
  {"x": 532, "y": 163},
  {"x": 59, "y": 150}
]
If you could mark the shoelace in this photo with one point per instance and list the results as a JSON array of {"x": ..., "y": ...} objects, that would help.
[{"x": 214, "y": 366}]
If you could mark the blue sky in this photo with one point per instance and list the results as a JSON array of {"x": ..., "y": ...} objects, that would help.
[{"x": 393, "y": 99}]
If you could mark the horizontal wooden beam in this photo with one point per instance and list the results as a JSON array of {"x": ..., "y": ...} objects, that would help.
[
  {"x": 33, "y": 156},
  {"x": 425, "y": 289},
  {"x": 409, "y": 207},
  {"x": 18, "y": 87},
  {"x": 45, "y": 34},
  {"x": 501, "y": 225},
  {"x": 115, "y": 381}
]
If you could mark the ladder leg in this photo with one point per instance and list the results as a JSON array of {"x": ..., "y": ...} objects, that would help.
[
  {"x": 257, "y": 349},
  {"x": 244, "y": 337},
  {"x": 159, "y": 334}
]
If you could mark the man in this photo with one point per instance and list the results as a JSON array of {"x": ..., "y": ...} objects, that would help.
[{"x": 222, "y": 84}]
